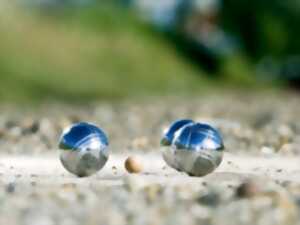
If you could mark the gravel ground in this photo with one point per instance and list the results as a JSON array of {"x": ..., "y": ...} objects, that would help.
[{"x": 258, "y": 181}]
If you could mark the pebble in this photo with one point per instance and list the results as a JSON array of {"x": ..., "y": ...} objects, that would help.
[
  {"x": 29, "y": 126},
  {"x": 247, "y": 189},
  {"x": 133, "y": 165},
  {"x": 114, "y": 168},
  {"x": 211, "y": 199}
]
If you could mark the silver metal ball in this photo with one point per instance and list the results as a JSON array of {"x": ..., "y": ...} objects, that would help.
[
  {"x": 83, "y": 149},
  {"x": 193, "y": 148}
]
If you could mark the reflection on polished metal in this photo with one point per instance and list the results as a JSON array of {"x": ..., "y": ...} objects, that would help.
[
  {"x": 83, "y": 149},
  {"x": 194, "y": 148},
  {"x": 169, "y": 134}
]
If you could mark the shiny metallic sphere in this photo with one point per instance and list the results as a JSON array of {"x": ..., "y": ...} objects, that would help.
[
  {"x": 193, "y": 148},
  {"x": 83, "y": 149}
]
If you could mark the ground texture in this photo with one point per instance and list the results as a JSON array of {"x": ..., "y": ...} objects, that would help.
[{"x": 258, "y": 181}]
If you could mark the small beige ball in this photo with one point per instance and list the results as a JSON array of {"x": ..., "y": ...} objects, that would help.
[{"x": 133, "y": 165}]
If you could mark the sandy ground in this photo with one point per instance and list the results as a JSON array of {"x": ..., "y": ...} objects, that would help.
[
  {"x": 258, "y": 181},
  {"x": 32, "y": 183},
  {"x": 48, "y": 170}
]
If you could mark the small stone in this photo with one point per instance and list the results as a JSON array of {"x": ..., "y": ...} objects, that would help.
[
  {"x": 114, "y": 168},
  {"x": 133, "y": 165},
  {"x": 248, "y": 189},
  {"x": 29, "y": 126},
  {"x": 210, "y": 199}
]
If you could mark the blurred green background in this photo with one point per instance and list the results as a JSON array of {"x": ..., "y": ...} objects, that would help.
[{"x": 91, "y": 50}]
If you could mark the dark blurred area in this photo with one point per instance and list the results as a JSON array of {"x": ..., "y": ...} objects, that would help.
[
  {"x": 214, "y": 30},
  {"x": 107, "y": 49}
]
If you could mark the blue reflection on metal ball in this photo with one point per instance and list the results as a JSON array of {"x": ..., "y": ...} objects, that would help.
[
  {"x": 194, "y": 148},
  {"x": 83, "y": 149},
  {"x": 169, "y": 134}
]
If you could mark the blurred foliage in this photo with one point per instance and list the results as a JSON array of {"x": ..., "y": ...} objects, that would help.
[
  {"x": 85, "y": 54},
  {"x": 102, "y": 51},
  {"x": 264, "y": 27},
  {"x": 268, "y": 35}
]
